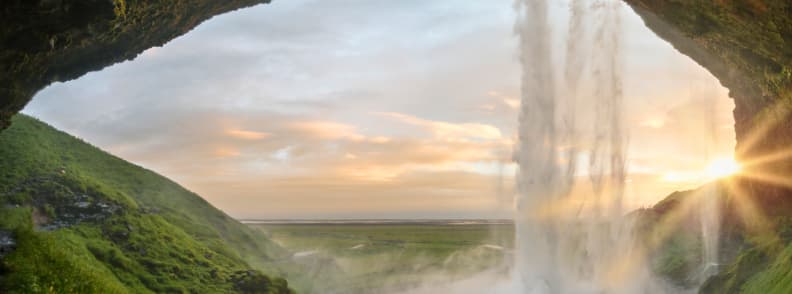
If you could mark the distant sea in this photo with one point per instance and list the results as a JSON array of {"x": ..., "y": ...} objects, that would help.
[{"x": 378, "y": 221}]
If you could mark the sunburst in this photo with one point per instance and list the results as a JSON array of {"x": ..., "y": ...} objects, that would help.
[
  {"x": 722, "y": 168},
  {"x": 731, "y": 178}
]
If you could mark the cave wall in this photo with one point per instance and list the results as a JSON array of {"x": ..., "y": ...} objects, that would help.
[
  {"x": 747, "y": 46},
  {"x": 45, "y": 41}
]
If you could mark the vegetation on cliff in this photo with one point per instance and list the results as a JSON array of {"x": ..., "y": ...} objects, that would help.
[
  {"x": 755, "y": 244},
  {"x": 79, "y": 220}
]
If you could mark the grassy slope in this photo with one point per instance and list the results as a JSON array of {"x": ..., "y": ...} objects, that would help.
[
  {"x": 753, "y": 261},
  {"x": 765, "y": 266},
  {"x": 162, "y": 238}
]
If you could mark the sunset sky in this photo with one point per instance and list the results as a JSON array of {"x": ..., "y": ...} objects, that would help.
[{"x": 371, "y": 109}]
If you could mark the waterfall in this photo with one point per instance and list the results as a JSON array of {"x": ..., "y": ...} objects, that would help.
[
  {"x": 572, "y": 236},
  {"x": 709, "y": 215},
  {"x": 539, "y": 174},
  {"x": 709, "y": 211}
]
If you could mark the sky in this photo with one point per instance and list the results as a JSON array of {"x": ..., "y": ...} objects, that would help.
[{"x": 372, "y": 109}]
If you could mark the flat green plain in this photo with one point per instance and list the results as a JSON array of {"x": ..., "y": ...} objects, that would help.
[{"x": 387, "y": 258}]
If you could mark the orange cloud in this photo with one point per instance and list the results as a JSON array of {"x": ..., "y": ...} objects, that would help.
[
  {"x": 513, "y": 103},
  {"x": 223, "y": 152},
  {"x": 328, "y": 130},
  {"x": 449, "y": 131},
  {"x": 447, "y": 193},
  {"x": 246, "y": 135}
]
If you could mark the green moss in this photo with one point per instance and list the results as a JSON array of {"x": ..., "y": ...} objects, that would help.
[
  {"x": 777, "y": 278},
  {"x": 120, "y": 8},
  {"x": 746, "y": 265},
  {"x": 50, "y": 263},
  {"x": 15, "y": 218},
  {"x": 678, "y": 258}
]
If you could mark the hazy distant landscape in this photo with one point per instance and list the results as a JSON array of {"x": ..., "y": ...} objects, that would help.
[{"x": 390, "y": 256}]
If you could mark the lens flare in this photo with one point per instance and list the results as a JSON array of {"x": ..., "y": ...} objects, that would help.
[{"x": 722, "y": 167}]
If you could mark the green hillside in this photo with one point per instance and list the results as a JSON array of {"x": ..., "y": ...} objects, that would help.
[
  {"x": 75, "y": 219},
  {"x": 755, "y": 250}
]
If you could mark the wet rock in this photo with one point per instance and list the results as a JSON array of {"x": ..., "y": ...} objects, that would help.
[
  {"x": 7, "y": 243},
  {"x": 55, "y": 205}
]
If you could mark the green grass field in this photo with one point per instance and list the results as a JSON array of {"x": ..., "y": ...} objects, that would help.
[{"x": 383, "y": 258}]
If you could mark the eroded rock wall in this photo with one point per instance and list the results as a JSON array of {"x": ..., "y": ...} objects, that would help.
[{"x": 747, "y": 45}]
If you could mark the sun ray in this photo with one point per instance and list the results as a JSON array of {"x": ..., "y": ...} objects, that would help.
[
  {"x": 660, "y": 232},
  {"x": 722, "y": 168},
  {"x": 754, "y": 220},
  {"x": 768, "y": 178},
  {"x": 768, "y": 120},
  {"x": 759, "y": 226},
  {"x": 671, "y": 221},
  {"x": 779, "y": 155}
]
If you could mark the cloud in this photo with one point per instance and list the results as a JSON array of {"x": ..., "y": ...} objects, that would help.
[
  {"x": 449, "y": 131},
  {"x": 507, "y": 100},
  {"x": 225, "y": 152},
  {"x": 513, "y": 103},
  {"x": 268, "y": 117},
  {"x": 194, "y": 147},
  {"x": 246, "y": 135},
  {"x": 417, "y": 194},
  {"x": 328, "y": 130}
]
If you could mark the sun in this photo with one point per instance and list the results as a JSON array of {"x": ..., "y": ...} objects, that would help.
[{"x": 722, "y": 167}]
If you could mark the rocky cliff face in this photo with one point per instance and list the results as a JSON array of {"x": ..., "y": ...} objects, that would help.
[
  {"x": 747, "y": 45},
  {"x": 44, "y": 41}
]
